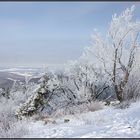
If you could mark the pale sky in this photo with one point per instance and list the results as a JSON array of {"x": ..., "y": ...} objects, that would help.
[{"x": 37, "y": 33}]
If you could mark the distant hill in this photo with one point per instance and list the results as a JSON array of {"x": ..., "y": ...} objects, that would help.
[{"x": 7, "y": 79}]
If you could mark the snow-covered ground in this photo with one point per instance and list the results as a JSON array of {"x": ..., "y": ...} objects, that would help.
[{"x": 108, "y": 122}]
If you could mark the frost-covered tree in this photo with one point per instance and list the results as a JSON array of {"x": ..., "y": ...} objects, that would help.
[
  {"x": 37, "y": 101},
  {"x": 116, "y": 53}
]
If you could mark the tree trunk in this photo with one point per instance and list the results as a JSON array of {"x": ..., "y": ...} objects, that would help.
[{"x": 119, "y": 93}]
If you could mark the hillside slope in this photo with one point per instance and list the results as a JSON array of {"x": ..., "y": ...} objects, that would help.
[{"x": 108, "y": 122}]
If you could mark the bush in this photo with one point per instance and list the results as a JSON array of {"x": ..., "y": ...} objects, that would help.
[
  {"x": 77, "y": 109},
  {"x": 10, "y": 127},
  {"x": 15, "y": 130},
  {"x": 94, "y": 106}
]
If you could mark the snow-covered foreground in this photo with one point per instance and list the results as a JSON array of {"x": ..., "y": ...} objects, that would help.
[{"x": 108, "y": 122}]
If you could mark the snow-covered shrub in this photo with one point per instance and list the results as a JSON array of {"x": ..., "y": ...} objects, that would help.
[
  {"x": 132, "y": 90},
  {"x": 20, "y": 95},
  {"x": 7, "y": 112},
  {"x": 94, "y": 106},
  {"x": 16, "y": 130},
  {"x": 123, "y": 105},
  {"x": 78, "y": 109},
  {"x": 10, "y": 127},
  {"x": 4, "y": 93},
  {"x": 71, "y": 109}
]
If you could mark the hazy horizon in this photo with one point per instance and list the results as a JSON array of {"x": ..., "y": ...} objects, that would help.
[{"x": 34, "y": 34}]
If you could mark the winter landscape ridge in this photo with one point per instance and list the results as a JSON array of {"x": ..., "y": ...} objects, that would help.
[{"x": 94, "y": 96}]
